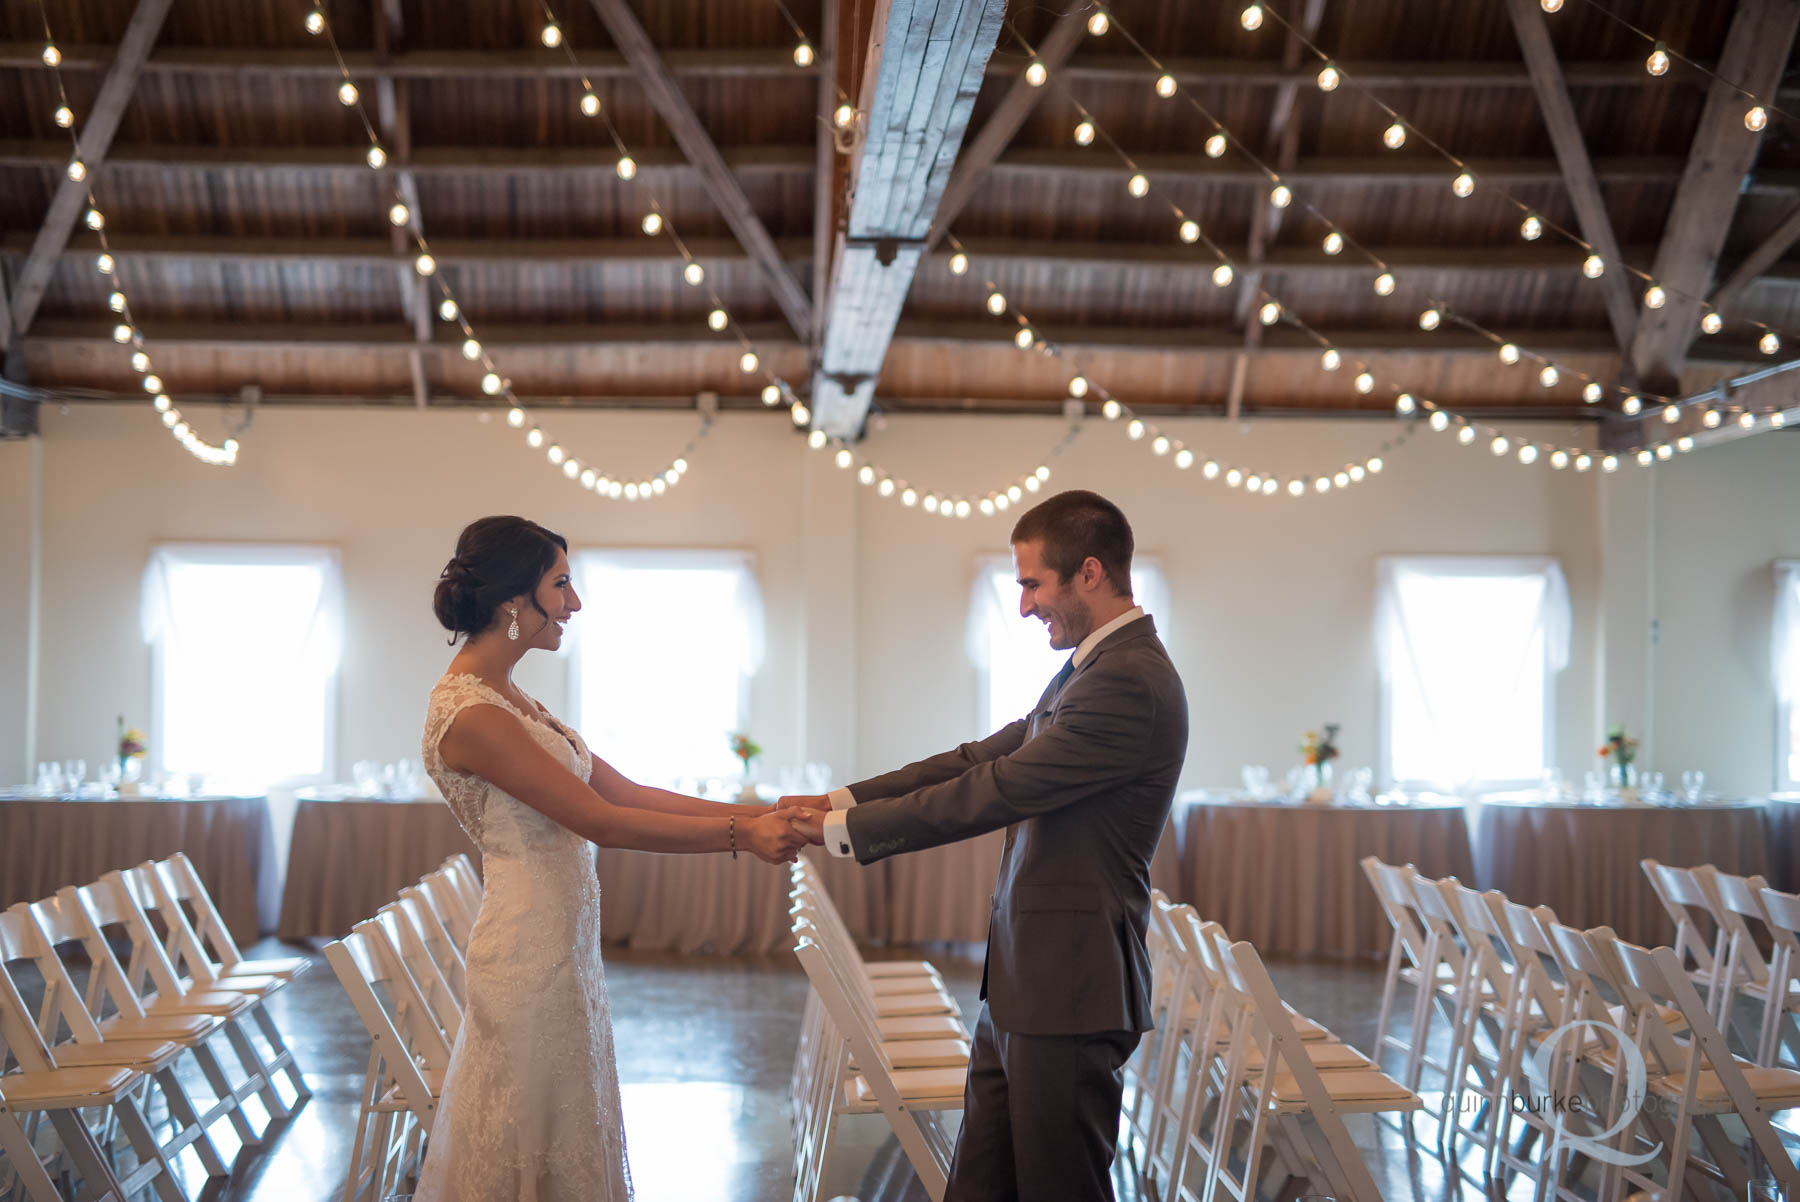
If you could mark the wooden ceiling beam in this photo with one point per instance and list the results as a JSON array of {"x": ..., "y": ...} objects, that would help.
[
  {"x": 666, "y": 97},
  {"x": 394, "y": 115},
  {"x": 825, "y": 169},
  {"x": 1756, "y": 53},
  {"x": 921, "y": 71},
  {"x": 92, "y": 145},
  {"x": 1759, "y": 262},
  {"x": 1558, "y": 113},
  {"x": 1053, "y": 52}
]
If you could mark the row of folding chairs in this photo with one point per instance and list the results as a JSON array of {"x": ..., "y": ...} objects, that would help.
[
  {"x": 1234, "y": 1091},
  {"x": 1587, "y": 1063},
  {"x": 94, "y": 1082},
  {"x": 403, "y": 971},
  {"x": 876, "y": 1037}
]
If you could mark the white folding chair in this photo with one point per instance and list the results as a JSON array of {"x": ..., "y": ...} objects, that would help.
[
  {"x": 1782, "y": 911},
  {"x": 444, "y": 952},
  {"x": 1425, "y": 958},
  {"x": 1747, "y": 974},
  {"x": 398, "y": 922},
  {"x": 214, "y": 951},
  {"x": 1146, "y": 1096},
  {"x": 1693, "y": 911},
  {"x": 451, "y": 906},
  {"x": 1484, "y": 1031}
]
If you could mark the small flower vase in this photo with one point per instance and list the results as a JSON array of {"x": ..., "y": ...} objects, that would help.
[
  {"x": 747, "y": 791},
  {"x": 1625, "y": 778},
  {"x": 1321, "y": 793},
  {"x": 131, "y": 771}
]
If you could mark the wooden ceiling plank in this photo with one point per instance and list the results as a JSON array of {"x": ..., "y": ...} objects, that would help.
[
  {"x": 721, "y": 185},
  {"x": 1756, "y": 53},
  {"x": 94, "y": 142},
  {"x": 921, "y": 72}
]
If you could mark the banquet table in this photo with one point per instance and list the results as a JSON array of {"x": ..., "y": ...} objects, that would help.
[
  {"x": 1782, "y": 819},
  {"x": 349, "y": 856},
  {"x": 47, "y": 843},
  {"x": 1583, "y": 861},
  {"x": 1288, "y": 877}
]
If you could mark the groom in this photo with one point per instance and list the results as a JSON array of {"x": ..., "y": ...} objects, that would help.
[{"x": 1083, "y": 786}]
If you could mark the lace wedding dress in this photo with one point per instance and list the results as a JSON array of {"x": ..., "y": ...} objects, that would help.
[{"x": 530, "y": 1105}]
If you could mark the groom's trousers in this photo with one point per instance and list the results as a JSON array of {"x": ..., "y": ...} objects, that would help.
[{"x": 1040, "y": 1116}]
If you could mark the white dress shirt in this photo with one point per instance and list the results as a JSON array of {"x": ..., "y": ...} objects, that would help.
[{"x": 837, "y": 833}]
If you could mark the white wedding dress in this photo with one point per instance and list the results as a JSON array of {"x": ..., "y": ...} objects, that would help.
[{"x": 530, "y": 1106}]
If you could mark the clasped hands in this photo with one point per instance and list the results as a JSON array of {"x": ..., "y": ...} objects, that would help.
[{"x": 778, "y": 833}]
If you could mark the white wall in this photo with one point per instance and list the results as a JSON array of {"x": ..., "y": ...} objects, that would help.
[
  {"x": 19, "y": 478},
  {"x": 1272, "y": 597}
]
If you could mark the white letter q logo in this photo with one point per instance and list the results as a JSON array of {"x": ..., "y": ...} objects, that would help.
[{"x": 1538, "y": 1071}]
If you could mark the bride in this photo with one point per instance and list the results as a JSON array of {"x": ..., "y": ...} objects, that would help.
[{"x": 529, "y": 1110}]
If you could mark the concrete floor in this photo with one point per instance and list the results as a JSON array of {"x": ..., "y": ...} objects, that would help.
[{"x": 705, "y": 1046}]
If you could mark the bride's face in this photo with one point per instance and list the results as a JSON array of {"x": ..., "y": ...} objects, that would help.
[{"x": 556, "y": 597}]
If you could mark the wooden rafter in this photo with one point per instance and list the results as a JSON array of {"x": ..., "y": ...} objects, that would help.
[
  {"x": 986, "y": 147},
  {"x": 825, "y": 168},
  {"x": 1759, "y": 262},
  {"x": 1756, "y": 53},
  {"x": 1265, "y": 220},
  {"x": 721, "y": 185},
  {"x": 394, "y": 115},
  {"x": 921, "y": 72},
  {"x": 95, "y": 140}
]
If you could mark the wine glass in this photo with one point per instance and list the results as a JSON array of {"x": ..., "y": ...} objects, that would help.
[
  {"x": 1692, "y": 782},
  {"x": 1256, "y": 780},
  {"x": 74, "y": 772}
]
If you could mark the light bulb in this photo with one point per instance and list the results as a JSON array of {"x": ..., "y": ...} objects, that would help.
[
  {"x": 652, "y": 223},
  {"x": 747, "y": 362},
  {"x": 1711, "y": 323},
  {"x": 801, "y": 415},
  {"x": 962, "y": 509},
  {"x": 909, "y": 498},
  {"x": 845, "y": 458},
  {"x": 1777, "y": 420},
  {"x": 865, "y": 474},
  {"x": 1165, "y": 86},
  {"x": 1532, "y": 228},
  {"x": 1334, "y": 243},
  {"x": 170, "y": 417},
  {"x": 1593, "y": 392},
  {"x": 1210, "y": 469},
  {"x": 447, "y": 310},
  {"x": 1365, "y": 383},
  {"x": 491, "y": 384},
  {"x": 1111, "y": 409},
  {"x": 315, "y": 22},
  {"x": 588, "y": 478},
  {"x": 1528, "y": 454},
  {"x": 1440, "y": 420},
  {"x": 1138, "y": 186},
  {"x": 1016, "y": 493},
  {"x": 515, "y": 417},
  {"x": 803, "y": 55},
  {"x": 52, "y": 56},
  {"x": 1160, "y": 445},
  {"x": 153, "y": 384},
  {"x": 140, "y": 361},
  {"x": 534, "y": 437},
  {"x": 1024, "y": 338},
  {"x": 1509, "y": 354},
  {"x": 1548, "y": 375},
  {"x": 1583, "y": 462},
  {"x": 1756, "y": 118},
  {"x": 1465, "y": 435},
  {"x": 1190, "y": 231},
  {"x": 1222, "y": 274},
  {"x": 1184, "y": 459},
  {"x": 116, "y": 302},
  {"x": 1041, "y": 472},
  {"x": 346, "y": 93},
  {"x": 1394, "y": 136},
  {"x": 1654, "y": 297},
  {"x": 1404, "y": 403},
  {"x": 959, "y": 263},
  {"x": 1036, "y": 73},
  {"x": 1747, "y": 420},
  {"x": 398, "y": 214},
  {"x": 931, "y": 502},
  {"x": 1296, "y": 488},
  {"x": 555, "y": 453},
  {"x": 996, "y": 303},
  {"x": 987, "y": 507},
  {"x": 658, "y": 486},
  {"x": 1665, "y": 451},
  {"x": 1134, "y": 430},
  {"x": 1769, "y": 343},
  {"x": 1270, "y": 313},
  {"x": 1281, "y": 196},
  {"x": 1501, "y": 445},
  {"x": 1710, "y": 419},
  {"x": 471, "y": 349},
  {"x": 816, "y": 440},
  {"x": 626, "y": 167},
  {"x": 1551, "y": 6},
  {"x": 77, "y": 170},
  {"x": 1084, "y": 133},
  {"x": 843, "y": 116},
  {"x": 1252, "y": 17},
  {"x": 1098, "y": 24},
  {"x": 1215, "y": 146},
  {"x": 1671, "y": 413},
  {"x": 121, "y": 333},
  {"x": 377, "y": 157},
  {"x": 551, "y": 35},
  {"x": 1329, "y": 78},
  {"x": 1078, "y": 387},
  {"x": 631, "y": 491},
  {"x": 1644, "y": 457},
  {"x": 1341, "y": 479},
  {"x": 1593, "y": 267},
  {"x": 1322, "y": 484},
  {"x": 425, "y": 264},
  {"x": 104, "y": 264},
  {"x": 590, "y": 105},
  {"x": 1463, "y": 185},
  {"x": 886, "y": 487},
  {"x": 1384, "y": 284},
  {"x": 1632, "y": 406},
  {"x": 1234, "y": 477},
  {"x": 95, "y": 219},
  {"x": 693, "y": 273},
  {"x": 1330, "y": 360},
  {"x": 1430, "y": 319},
  {"x": 1559, "y": 459},
  {"x": 1658, "y": 62},
  {"x": 1686, "y": 441},
  {"x": 717, "y": 319},
  {"x": 160, "y": 404},
  {"x": 771, "y": 394}
]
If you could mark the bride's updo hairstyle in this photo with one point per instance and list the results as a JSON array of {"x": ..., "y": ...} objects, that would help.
[{"x": 496, "y": 559}]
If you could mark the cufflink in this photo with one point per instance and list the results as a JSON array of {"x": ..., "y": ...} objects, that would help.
[{"x": 843, "y": 847}]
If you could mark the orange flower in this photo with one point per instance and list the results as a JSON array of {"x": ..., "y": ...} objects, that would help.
[{"x": 1606, "y": 750}]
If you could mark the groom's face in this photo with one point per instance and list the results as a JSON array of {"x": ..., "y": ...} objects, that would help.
[{"x": 1049, "y": 598}]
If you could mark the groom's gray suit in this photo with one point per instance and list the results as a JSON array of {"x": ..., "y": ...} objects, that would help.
[{"x": 1083, "y": 786}]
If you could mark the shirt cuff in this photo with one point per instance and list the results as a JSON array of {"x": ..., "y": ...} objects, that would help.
[
  {"x": 840, "y": 799},
  {"x": 837, "y": 835}
]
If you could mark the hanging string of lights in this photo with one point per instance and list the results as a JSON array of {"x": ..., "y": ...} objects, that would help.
[{"x": 127, "y": 332}]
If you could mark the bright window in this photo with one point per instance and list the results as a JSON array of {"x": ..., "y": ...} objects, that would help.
[
  {"x": 664, "y": 650},
  {"x": 1014, "y": 653},
  {"x": 1468, "y": 649},
  {"x": 245, "y": 643},
  {"x": 1787, "y": 671}
]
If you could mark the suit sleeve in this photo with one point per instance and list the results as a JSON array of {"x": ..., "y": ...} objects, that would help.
[
  {"x": 944, "y": 766},
  {"x": 1097, "y": 742}
]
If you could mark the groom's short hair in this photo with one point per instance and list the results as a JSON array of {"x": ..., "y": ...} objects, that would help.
[{"x": 1075, "y": 525}]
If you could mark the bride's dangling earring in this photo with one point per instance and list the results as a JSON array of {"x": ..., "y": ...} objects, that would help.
[{"x": 512, "y": 632}]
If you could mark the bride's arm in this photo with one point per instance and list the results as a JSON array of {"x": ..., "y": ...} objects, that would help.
[
  {"x": 609, "y": 782},
  {"x": 486, "y": 741}
]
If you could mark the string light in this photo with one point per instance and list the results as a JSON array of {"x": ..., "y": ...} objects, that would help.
[
  {"x": 1711, "y": 322},
  {"x": 1394, "y": 136},
  {"x": 1138, "y": 186},
  {"x": 77, "y": 170},
  {"x": 1548, "y": 376},
  {"x": 315, "y": 22},
  {"x": 1334, "y": 243},
  {"x": 1084, "y": 133},
  {"x": 1756, "y": 119},
  {"x": 377, "y": 157},
  {"x": 1281, "y": 196},
  {"x": 1222, "y": 274},
  {"x": 843, "y": 116},
  {"x": 653, "y": 222},
  {"x": 95, "y": 219},
  {"x": 1654, "y": 297},
  {"x": 1593, "y": 267},
  {"x": 1165, "y": 86},
  {"x": 1189, "y": 231},
  {"x": 1769, "y": 343},
  {"x": 1384, "y": 284},
  {"x": 1430, "y": 318},
  {"x": 590, "y": 104},
  {"x": 627, "y": 167},
  {"x": 803, "y": 55},
  {"x": 1463, "y": 185},
  {"x": 996, "y": 303},
  {"x": 1252, "y": 17},
  {"x": 398, "y": 214},
  {"x": 425, "y": 265},
  {"x": 551, "y": 35},
  {"x": 1215, "y": 146},
  {"x": 1658, "y": 62},
  {"x": 1532, "y": 228},
  {"x": 347, "y": 93},
  {"x": 448, "y": 310},
  {"x": 52, "y": 56},
  {"x": 1098, "y": 24},
  {"x": 1328, "y": 78},
  {"x": 1036, "y": 73},
  {"x": 959, "y": 263}
]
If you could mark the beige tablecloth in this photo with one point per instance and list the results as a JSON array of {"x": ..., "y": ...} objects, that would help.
[
  {"x": 48, "y": 843},
  {"x": 349, "y": 858},
  {"x": 1289, "y": 879},
  {"x": 1782, "y": 818},
  {"x": 1583, "y": 861}
]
